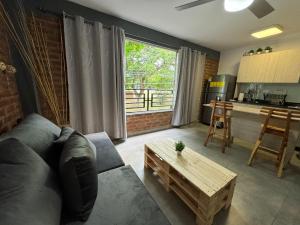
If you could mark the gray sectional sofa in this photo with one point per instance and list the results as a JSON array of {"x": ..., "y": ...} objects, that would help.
[{"x": 30, "y": 191}]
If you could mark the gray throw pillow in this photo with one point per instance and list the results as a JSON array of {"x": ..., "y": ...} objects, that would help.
[
  {"x": 78, "y": 176},
  {"x": 64, "y": 136},
  {"x": 29, "y": 190}
]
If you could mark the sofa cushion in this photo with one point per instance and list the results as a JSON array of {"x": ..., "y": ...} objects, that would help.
[
  {"x": 107, "y": 157},
  {"x": 29, "y": 190},
  {"x": 78, "y": 176},
  {"x": 123, "y": 200},
  {"x": 38, "y": 133}
]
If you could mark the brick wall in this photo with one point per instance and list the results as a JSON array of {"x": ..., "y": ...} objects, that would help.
[
  {"x": 53, "y": 30},
  {"x": 10, "y": 108},
  {"x": 142, "y": 123}
]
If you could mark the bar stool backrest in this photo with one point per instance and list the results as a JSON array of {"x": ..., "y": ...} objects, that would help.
[
  {"x": 279, "y": 115},
  {"x": 220, "y": 107}
]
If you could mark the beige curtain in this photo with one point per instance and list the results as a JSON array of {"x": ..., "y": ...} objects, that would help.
[
  {"x": 95, "y": 65},
  {"x": 190, "y": 73}
]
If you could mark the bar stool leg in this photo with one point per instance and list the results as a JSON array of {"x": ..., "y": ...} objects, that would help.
[
  {"x": 211, "y": 126},
  {"x": 254, "y": 151},
  {"x": 229, "y": 139},
  {"x": 281, "y": 164},
  {"x": 224, "y": 136}
]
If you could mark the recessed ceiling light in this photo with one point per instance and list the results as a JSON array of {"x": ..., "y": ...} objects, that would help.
[
  {"x": 237, "y": 5},
  {"x": 270, "y": 31}
]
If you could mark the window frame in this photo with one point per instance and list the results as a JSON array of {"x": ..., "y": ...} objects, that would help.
[{"x": 175, "y": 76}]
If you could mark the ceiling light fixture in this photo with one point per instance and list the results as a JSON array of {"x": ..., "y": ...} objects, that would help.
[
  {"x": 237, "y": 5},
  {"x": 270, "y": 31}
]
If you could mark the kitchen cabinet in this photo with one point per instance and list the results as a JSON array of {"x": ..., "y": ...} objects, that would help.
[
  {"x": 275, "y": 67},
  {"x": 288, "y": 67}
]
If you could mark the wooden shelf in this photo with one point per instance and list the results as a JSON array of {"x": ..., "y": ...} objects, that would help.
[
  {"x": 184, "y": 197},
  {"x": 185, "y": 185}
]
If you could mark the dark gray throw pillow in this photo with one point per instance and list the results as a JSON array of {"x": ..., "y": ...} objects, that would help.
[
  {"x": 78, "y": 176},
  {"x": 29, "y": 190},
  {"x": 64, "y": 136}
]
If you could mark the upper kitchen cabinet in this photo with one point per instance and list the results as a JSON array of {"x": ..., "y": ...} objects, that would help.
[
  {"x": 288, "y": 67},
  {"x": 275, "y": 67}
]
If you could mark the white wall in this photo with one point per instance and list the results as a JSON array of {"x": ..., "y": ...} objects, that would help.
[{"x": 230, "y": 59}]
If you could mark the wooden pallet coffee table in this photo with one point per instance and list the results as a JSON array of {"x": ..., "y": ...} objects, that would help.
[{"x": 205, "y": 186}]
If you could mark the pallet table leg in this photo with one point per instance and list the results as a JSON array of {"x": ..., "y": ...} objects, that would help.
[
  {"x": 167, "y": 178},
  {"x": 204, "y": 221},
  {"x": 230, "y": 194},
  {"x": 146, "y": 157}
]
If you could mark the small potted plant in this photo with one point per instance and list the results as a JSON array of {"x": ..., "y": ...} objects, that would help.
[
  {"x": 179, "y": 146},
  {"x": 268, "y": 49},
  {"x": 259, "y": 51},
  {"x": 251, "y": 52}
]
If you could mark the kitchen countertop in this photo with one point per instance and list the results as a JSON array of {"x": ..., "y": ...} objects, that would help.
[
  {"x": 248, "y": 108},
  {"x": 292, "y": 106}
]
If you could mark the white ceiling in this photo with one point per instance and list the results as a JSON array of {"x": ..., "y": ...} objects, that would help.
[{"x": 208, "y": 25}]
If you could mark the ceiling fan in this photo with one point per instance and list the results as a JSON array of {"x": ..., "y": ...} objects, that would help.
[{"x": 260, "y": 8}]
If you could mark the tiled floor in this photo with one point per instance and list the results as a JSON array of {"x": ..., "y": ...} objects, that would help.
[{"x": 260, "y": 197}]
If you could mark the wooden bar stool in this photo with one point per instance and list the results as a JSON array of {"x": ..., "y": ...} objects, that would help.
[
  {"x": 220, "y": 113},
  {"x": 268, "y": 127}
]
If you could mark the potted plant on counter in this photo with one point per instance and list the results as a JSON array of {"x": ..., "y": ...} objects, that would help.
[
  {"x": 251, "y": 52},
  {"x": 259, "y": 51},
  {"x": 268, "y": 49},
  {"x": 179, "y": 146}
]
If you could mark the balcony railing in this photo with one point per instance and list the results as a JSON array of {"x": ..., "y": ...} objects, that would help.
[{"x": 141, "y": 100}]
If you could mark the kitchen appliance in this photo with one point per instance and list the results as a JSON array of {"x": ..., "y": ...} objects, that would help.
[
  {"x": 220, "y": 88},
  {"x": 241, "y": 97},
  {"x": 275, "y": 99},
  {"x": 260, "y": 8}
]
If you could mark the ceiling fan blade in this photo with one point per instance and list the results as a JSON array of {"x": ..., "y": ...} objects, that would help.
[
  {"x": 192, "y": 4},
  {"x": 261, "y": 8}
]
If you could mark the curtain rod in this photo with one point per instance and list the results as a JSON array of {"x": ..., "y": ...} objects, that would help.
[
  {"x": 133, "y": 36},
  {"x": 85, "y": 21}
]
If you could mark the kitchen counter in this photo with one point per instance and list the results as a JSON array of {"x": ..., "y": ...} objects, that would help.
[
  {"x": 288, "y": 105},
  {"x": 251, "y": 108},
  {"x": 246, "y": 125}
]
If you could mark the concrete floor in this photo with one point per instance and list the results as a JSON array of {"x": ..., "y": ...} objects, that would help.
[{"x": 260, "y": 198}]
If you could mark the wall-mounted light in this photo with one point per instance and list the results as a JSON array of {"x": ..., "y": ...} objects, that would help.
[
  {"x": 7, "y": 68},
  {"x": 270, "y": 31}
]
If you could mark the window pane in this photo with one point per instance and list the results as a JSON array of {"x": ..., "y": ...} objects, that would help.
[{"x": 149, "y": 78}]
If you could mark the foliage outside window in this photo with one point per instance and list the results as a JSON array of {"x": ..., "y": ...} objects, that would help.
[{"x": 150, "y": 77}]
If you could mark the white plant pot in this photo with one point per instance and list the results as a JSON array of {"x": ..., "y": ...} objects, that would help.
[{"x": 178, "y": 153}]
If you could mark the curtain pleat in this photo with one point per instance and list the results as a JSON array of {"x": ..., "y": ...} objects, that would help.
[
  {"x": 190, "y": 72},
  {"x": 95, "y": 66}
]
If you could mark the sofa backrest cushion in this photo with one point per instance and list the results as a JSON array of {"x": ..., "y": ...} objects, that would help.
[
  {"x": 38, "y": 133},
  {"x": 78, "y": 176},
  {"x": 29, "y": 190}
]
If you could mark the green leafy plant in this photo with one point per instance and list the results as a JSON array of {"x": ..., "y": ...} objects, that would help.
[
  {"x": 259, "y": 50},
  {"x": 268, "y": 49},
  {"x": 251, "y": 52},
  {"x": 179, "y": 146}
]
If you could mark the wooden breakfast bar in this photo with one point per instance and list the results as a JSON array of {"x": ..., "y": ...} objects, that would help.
[{"x": 246, "y": 125}]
